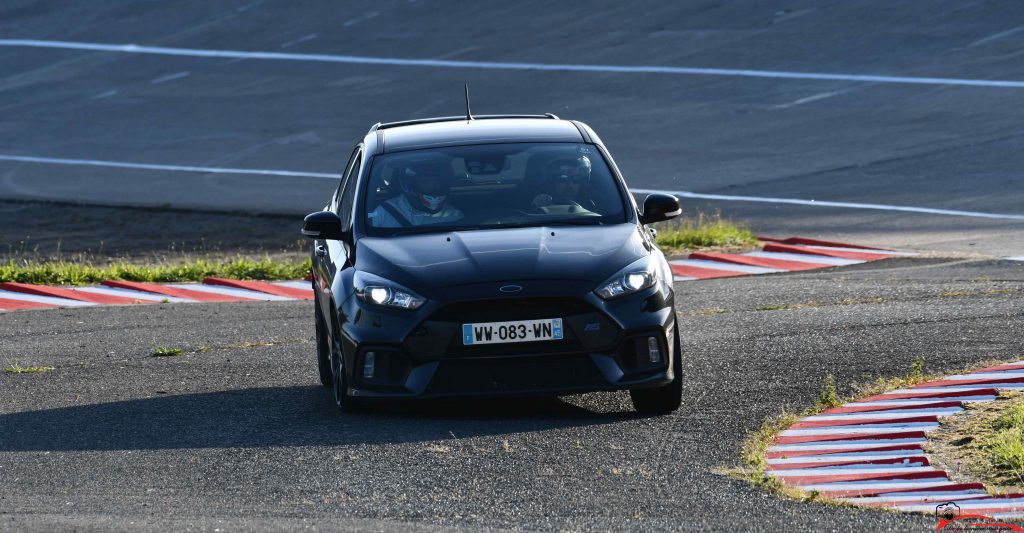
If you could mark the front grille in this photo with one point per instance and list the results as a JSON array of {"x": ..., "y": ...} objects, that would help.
[{"x": 521, "y": 374}]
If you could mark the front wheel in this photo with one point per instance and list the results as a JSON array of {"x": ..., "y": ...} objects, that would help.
[
  {"x": 667, "y": 398},
  {"x": 342, "y": 399},
  {"x": 323, "y": 348}
]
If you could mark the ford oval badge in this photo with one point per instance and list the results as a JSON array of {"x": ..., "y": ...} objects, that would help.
[{"x": 510, "y": 288}]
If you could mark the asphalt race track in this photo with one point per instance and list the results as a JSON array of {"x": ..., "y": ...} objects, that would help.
[
  {"x": 241, "y": 436},
  {"x": 925, "y": 143},
  {"x": 237, "y": 434}
]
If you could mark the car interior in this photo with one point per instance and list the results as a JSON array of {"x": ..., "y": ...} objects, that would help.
[{"x": 497, "y": 183}]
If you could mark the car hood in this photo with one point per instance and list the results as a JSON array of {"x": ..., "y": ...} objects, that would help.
[{"x": 437, "y": 260}]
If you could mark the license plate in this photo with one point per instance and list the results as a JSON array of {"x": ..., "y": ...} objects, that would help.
[{"x": 548, "y": 329}]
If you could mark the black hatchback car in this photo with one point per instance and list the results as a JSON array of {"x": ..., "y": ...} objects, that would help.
[{"x": 500, "y": 255}]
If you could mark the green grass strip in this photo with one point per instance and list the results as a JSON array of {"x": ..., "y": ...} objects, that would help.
[
  {"x": 703, "y": 231},
  {"x": 71, "y": 273},
  {"x": 1005, "y": 445}
]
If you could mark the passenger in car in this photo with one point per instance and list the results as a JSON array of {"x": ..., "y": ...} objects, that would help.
[{"x": 425, "y": 185}]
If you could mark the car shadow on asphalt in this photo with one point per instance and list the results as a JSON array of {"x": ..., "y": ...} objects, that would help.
[{"x": 280, "y": 416}]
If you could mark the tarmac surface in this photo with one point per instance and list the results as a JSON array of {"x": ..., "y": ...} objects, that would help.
[
  {"x": 930, "y": 144},
  {"x": 237, "y": 433}
]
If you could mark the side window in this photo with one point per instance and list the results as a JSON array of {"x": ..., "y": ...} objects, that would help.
[
  {"x": 348, "y": 193},
  {"x": 336, "y": 199}
]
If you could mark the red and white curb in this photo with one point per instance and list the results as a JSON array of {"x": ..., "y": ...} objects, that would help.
[
  {"x": 778, "y": 255},
  {"x": 870, "y": 452},
  {"x": 15, "y": 296}
]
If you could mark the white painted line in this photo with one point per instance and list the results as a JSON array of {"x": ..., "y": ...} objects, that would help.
[
  {"x": 303, "y": 285},
  {"x": 817, "y": 203},
  {"x": 951, "y": 388},
  {"x": 988, "y": 375},
  {"x": 980, "y": 386},
  {"x": 859, "y": 250},
  {"x": 834, "y": 471},
  {"x": 843, "y": 444},
  {"x": 923, "y": 496},
  {"x": 808, "y": 99},
  {"x": 995, "y": 36},
  {"x": 1006, "y": 516},
  {"x": 1018, "y": 258},
  {"x": 328, "y": 175},
  {"x": 230, "y": 291},
  {"x": 170, "y": 168},
  {"x": 860, "y": 467},
  {"x": 853, "y": 456},
  {"x": 357, "y": 20},
  {"x": 877, "y": 485},
  {"x": 861, "y": 428},
  {"x": 499, "y": 65},
  {"x": 170, "y": 77},
  {"x": 302, "y": 39},
  {"x": 43, "y": 299},
  {"x": 884, "y": 415},
  {"x": 1011, "y": 503},
  {"x": 721, "y": 265},
  {"x": 137, "y": 295},
  {"x": 911, "y": 401},
  {"x": 683, "y": 278},
  {"x": 805, "y": 258}
]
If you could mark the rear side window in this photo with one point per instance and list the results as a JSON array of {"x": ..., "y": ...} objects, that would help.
[{"x": 348, "y": 192}]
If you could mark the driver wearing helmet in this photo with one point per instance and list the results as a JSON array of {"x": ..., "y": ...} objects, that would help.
[
  {"x": 562, "y": 180},
  {"x": 425, "y": 185}
]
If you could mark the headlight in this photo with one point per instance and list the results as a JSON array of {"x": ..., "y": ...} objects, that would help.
[
  {"x": 379, "y": 291},
  {"x": 636, "y": 277}
]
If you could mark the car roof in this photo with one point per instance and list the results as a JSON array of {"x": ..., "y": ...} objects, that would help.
[{"x": 453, "y": 131}]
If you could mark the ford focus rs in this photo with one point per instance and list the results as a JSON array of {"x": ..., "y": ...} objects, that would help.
[{"x": 497, "y": 255}]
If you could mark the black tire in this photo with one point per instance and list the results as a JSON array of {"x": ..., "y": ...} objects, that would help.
[
  {"x": 339, "y": 381},
  {"x": 323, "y": 348},
  {"x": 667, "y": 398}
]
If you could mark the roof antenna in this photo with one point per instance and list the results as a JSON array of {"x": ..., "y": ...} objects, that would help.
[{"x": 469, "y": 114}]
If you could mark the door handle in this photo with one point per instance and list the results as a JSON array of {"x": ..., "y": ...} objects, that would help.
[{"x": 321, "y": 251}]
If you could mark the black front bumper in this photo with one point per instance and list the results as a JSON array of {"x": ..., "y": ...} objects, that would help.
[{"x": 606, "y": 347}]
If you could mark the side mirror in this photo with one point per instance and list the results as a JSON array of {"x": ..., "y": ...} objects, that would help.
[
  {"x": 323, "y": 225},
  {"x": 659, "y": 207}
]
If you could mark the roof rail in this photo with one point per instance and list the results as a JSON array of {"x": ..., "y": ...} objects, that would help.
[{"x": 386, "y": 125}]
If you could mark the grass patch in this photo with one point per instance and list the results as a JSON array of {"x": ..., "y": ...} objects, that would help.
[
  {"x": 916, "y": 376},
  {"x": 707, "y": 312},
  {"x": 1005, "y": 446},
  {"x": 985, "y": 443},
  {"x": 190, "y": 269},
  {"x": 163, "y": 351},
  {"x": 780, "y": 307},
  {"x": 829, "y": 397},
  {"x": 16, "y": 368},
  {"x": 703, "y": 231},
  {"x": 859, "y": 301}
]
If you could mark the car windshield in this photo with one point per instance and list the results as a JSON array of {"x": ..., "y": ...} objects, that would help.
[{"x": 460, "y": 188}]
